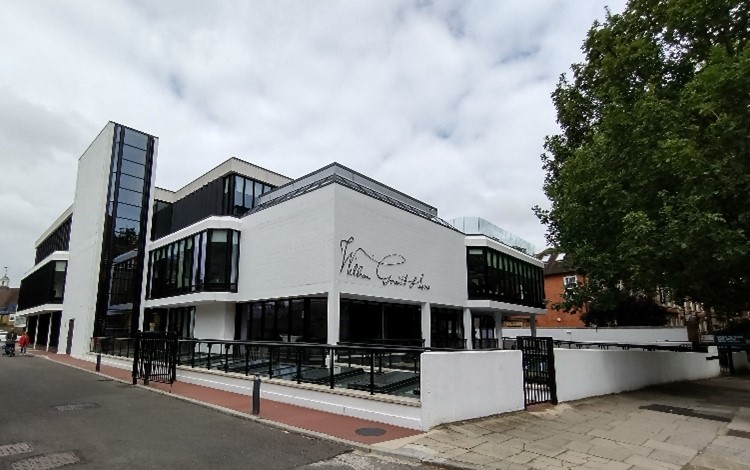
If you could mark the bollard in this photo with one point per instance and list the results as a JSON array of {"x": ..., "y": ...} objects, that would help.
[
  {"x": 147, "y": 374},
  {"x": 99, "y": 362},
  {"x": 256, "y": 395}
]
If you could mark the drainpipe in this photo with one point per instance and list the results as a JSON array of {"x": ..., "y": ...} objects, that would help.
[{"x": 532, "y": 324}]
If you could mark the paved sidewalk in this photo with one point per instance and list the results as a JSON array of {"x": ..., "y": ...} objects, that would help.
[{"x": 689, "y": 425}]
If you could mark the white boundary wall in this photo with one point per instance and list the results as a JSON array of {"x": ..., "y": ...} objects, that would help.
[
  {"x": 457, "y": 386},
  {"x": 591, "y": 372},
  {"x": 614, "y": 335},
  {"x": 471, "y": 384}
]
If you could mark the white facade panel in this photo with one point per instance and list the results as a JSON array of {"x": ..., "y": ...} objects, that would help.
[
  {"x": 384, "y": 252},
  {"x": 86, "y": 235},
  {"x": 286, "y": 250},
  {"x": 214, "y": 321}
]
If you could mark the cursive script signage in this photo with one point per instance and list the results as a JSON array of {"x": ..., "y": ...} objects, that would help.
[{"x": 357, "y": 262}]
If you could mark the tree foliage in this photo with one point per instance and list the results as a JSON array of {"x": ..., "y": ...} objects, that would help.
[
  {"x": 629, "y": 310},
  {"x": 649, "y": 178}
]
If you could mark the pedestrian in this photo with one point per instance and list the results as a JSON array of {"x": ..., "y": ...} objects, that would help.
[
  {"x": 24, "y": 341},
  {"x": 10, "y": 344}
]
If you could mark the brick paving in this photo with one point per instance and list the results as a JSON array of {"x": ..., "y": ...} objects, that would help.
[{"x": 703, "y": 425}]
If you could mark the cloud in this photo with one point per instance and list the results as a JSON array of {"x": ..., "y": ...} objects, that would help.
[{"x": 446, "y": 101}]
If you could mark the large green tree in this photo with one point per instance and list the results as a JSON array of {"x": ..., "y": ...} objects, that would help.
[{"x": 649, "y": 178}]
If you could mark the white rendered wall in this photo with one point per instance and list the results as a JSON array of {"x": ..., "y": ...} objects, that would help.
[
  {"x": 85, "y": 249},
  {"x": 285, "y": 250},
  {"x": 214, "y": 321},
  {"x": 382, "y": 409},
  {"x": 614, "y": 335},
  {"x": 584, "y": 373},
  {"x": 471, "y": 384},
  {"x": 431, "y": 252}
]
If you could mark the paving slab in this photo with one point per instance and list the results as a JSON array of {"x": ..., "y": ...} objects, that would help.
[{"x": 612, "y": 432}]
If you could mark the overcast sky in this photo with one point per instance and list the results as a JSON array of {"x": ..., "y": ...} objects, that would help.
[{"x": 446, "y": 101}]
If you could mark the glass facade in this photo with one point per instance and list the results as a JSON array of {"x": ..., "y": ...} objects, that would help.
[
  {"x": 493, "y": 275},
  {"x": 364, "y": 321},
  {"x": 58, "y": 240},
  {"x": 298, "y": 320},
  {"x": 118, "y": 298},
  {"x": 180, "y": 320},
  {"x": 46, "y": 285},
  {"x": 242, "y": 194},
  {"x": 447, "y": 325},
  {"x": 123, "y": 281},
  {"x": 232, "y": 194},
  {"x": 204, "y": 261}
]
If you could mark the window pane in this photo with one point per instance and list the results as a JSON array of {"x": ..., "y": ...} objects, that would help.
[
  {"x": 128, "y": 212},
  {"x": 258, "y": 192},
  {"x": 249, "y": 194},
  {"x": 133, "y": 154},
  {"x": 127, "y": 226},
  {"x": 218, "y": 236},
  {"x": 239, "y": 184},
  {"x": 130, "y": 182},
  {"x": 130, "y": 197},
  {"x": 136, "y": 139},
  {"x": 133, "y": 169}
]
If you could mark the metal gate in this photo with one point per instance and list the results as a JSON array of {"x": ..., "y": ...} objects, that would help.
[
  {"x": 155, "y": 357},
  {"x": 538, "y": 359},
  {"x": 726, "y": 361}
]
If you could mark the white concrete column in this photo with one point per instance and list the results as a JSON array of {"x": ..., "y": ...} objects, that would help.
[
  {"x": 49, "y": 331},
  {"x": 468, "y": 330},
  {"x": 532, "y": 324},
  {"x": 334, "y": 317},
  {"x": 426, "y": 324},
  {"x": 499, "y": 329}
]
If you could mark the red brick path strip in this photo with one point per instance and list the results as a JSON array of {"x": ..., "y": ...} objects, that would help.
[{"x": 342, "y": 427}]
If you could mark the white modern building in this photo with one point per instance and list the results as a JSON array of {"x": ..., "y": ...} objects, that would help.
[{"x": 244, "y": 253}]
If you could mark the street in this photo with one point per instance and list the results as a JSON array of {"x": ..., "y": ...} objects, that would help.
[{"x": 58, "y": 416}]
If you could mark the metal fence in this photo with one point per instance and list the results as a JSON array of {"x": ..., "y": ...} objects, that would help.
[{"x": 381, "y": 369}]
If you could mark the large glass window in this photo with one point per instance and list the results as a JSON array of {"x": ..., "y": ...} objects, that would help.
[
  {"x": 242, "y": 194},
  {"x": 447, "y": 328},
  {"x": 287, "y": 320},
  {"x": 380, "y": 323},
  {"x": 58, "y": 240},
  {"x": 207, "y": 260},
  {"x": 498, "y": 276},
  {"x": 46, "y": 285}
]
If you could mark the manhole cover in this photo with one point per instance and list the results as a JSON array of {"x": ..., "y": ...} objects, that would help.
[
  {"x": 13, "y": 449},
  {"x": 48, "y": 461},
  {"x": 370, "y": 431},
  {"x": 77, "y": 406}
]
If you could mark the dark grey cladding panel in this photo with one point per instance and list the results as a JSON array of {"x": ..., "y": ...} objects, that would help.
[
  {"x": 359, "y": 179},
  {"x": 338, "y": 179}
]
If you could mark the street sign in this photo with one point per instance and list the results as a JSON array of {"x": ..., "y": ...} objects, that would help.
[{"x": 730, "y": 340}]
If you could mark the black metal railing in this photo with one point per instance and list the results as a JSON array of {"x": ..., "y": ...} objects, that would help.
[
  {"x": 484, "y": 343},
  {"x": 511, "y": 343},
  {"x": 449, "y": 343},
  {"x": 374, "y": 368}
]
